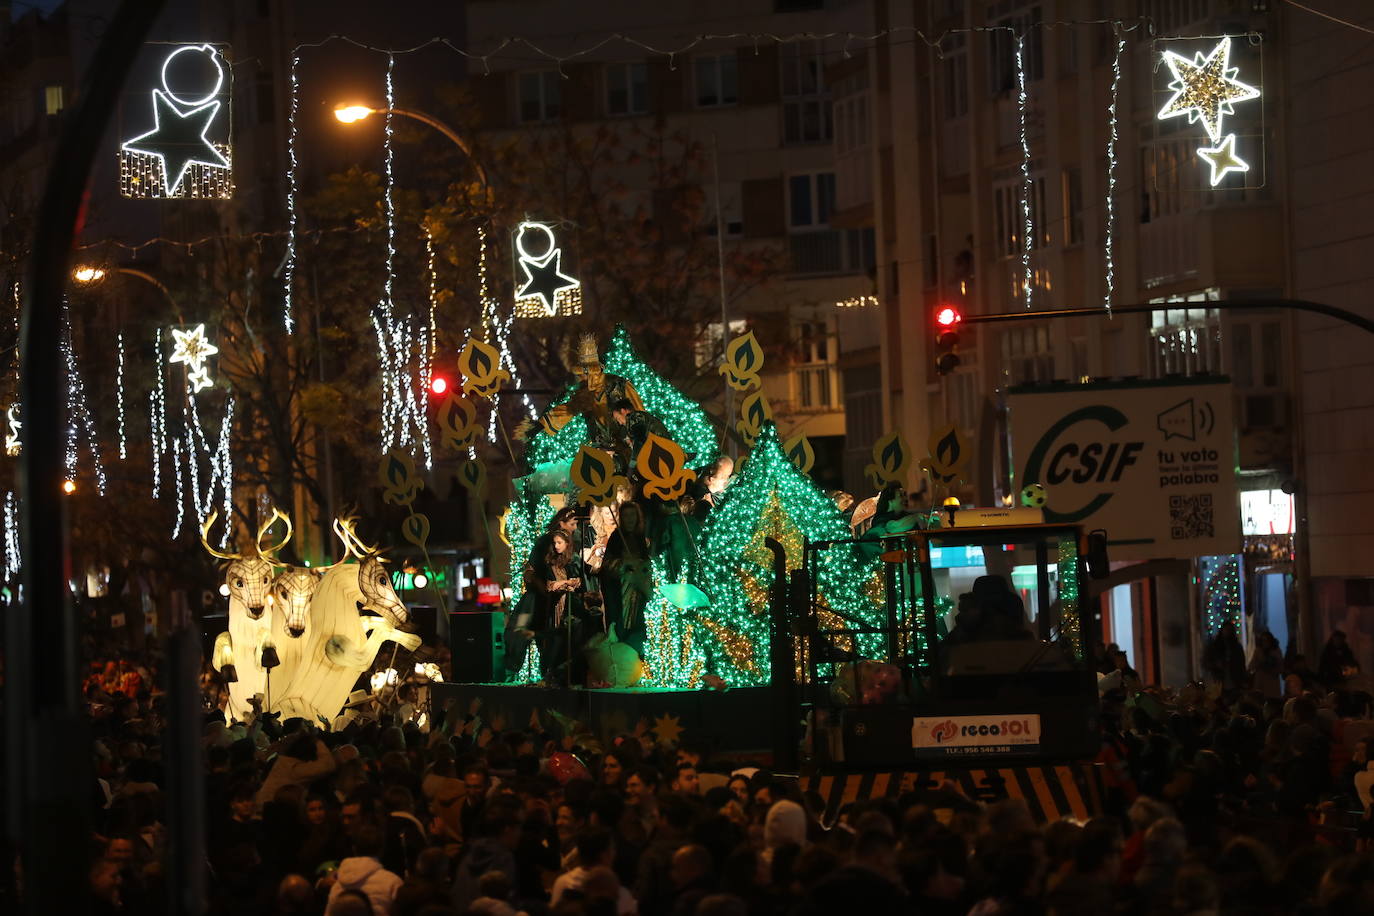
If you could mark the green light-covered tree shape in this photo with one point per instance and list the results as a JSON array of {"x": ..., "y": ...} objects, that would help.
[
  {"x": 772, "y": 498},
  {"x": 689, "y": 425}
]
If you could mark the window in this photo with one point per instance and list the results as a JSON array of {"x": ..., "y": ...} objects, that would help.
[
  {"x": 731, "y": 210},
  {"x": 806, "y": 114},
  {"x": 954, "y": 75},
  {"x": 1026, "y": 354},
  {"x": 815, "y": 374},
  {"x": 717, "y": 78},
  {"x": 52, "y": 99},
  {"x": 1073, "y": 206},
  {"x": 1002, "y": 60},
  {"x": 1186, "y": 340},
  {"x": 540, "y": 96},
  {"x": 1010, "y": 221},
  {"x": 627, "y": 89},
  {"x": 810, "y": 199},
  {"x": 712, "y": 342}
]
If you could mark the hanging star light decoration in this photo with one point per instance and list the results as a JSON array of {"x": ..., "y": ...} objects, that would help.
[
  {"x": 545, "y": 291},
  {"x": 1205, "y": 88},
  {"x": 191, "y": 347},
  {"x": 1223, "y": 159},
  {"x": 163, "y": 162}
]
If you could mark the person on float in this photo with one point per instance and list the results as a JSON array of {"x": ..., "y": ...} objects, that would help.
[
  {"x": 711, "y": 485},
  {"x": 557, "y": 576},
  {"x": 627, "y": 576}
]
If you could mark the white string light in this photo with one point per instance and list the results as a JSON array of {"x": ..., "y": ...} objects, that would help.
[
  {"x": 428, "y": 376},
  {"x": 13, "y": 559},
  {"x": 1028, "y": 228},
  {"x": 119, "y": 394},
  {"x": 1109, "y": 242},
  {"x": 289, "y": 272},
  {"x": 79, "y": 421},
  {"x": 157, "y": 408},
  {"x": 404, "y": 347},
  {"x": 181, "y": 491}
]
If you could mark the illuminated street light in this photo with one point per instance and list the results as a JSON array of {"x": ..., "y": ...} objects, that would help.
[
  {"x": 88, "y": 274},
  {"x": 349, "y": 114},
  {"x": 352, "y": 114}
]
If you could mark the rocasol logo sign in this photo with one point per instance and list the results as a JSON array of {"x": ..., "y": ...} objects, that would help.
[
  {"x": 975, "y": 734},
  {"x": 1079, "y": 448}
]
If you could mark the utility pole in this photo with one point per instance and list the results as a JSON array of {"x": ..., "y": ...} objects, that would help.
[{"x": 48, "y": 772}]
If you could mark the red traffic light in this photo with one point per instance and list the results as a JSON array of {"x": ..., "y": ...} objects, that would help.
[
  {"x": 948, "y": 317},
  {"x": 438, "y": 385}
]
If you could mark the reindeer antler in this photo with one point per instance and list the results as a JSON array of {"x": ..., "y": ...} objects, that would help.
[
  {"x": 205, "y": 539},
  {"x": 346, "y": 529},
  {"x": 269, "y": 554}
]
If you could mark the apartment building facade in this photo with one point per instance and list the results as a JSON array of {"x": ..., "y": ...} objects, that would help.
[
  {"x": 936, "y": 167},
  {"x": 761, "y": 110}
]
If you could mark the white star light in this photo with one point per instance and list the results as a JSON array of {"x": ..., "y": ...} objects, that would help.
[
  {"x": 192, "y": 348},
  {"x": 1223, "y": 159},
  {"x": 205, "y": 113},
  {"x": 1205, "y": 88}
]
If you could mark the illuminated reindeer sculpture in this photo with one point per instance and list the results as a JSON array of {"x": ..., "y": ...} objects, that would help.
[
  {"x": 247, "y": 583},
  {"x": 342, "y": 639}
]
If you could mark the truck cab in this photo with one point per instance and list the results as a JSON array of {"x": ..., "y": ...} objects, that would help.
[{"x": 984, "y": 659}]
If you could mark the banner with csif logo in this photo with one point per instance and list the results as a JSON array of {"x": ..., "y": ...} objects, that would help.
[
  {"x": 1154, "y": 463},
  {"x": 953, "y": 736}
]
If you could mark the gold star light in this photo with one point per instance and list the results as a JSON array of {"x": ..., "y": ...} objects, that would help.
[
  {"x": 1205, "y": 88},
  {"x": 192, "y": 348},
  {"x": 1222, "y": 158}
]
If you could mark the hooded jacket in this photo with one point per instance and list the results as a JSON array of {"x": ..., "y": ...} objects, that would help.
[{"x": 366, "y": 874}]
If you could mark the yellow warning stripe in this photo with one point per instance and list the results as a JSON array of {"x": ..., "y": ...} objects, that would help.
[{"x": 1066, "y": 779}]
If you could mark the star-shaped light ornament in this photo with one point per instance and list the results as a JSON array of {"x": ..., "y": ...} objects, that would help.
[
  {"x": 191, "y": 347},
  {"x": 545, "y": 290},
  {"x": 178, "y": 140},
  {"x": 545, "y": 279},
  {"x": 1205, "y": 88},
  {"x": 1223, "y": 159}
]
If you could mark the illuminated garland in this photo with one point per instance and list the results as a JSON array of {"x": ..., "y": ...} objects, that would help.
[
  {"x": 289, "y": 271},
  {"x": 157, "y": 409},
  {"x": 1067, "y": 570},
  {"x": 1109, "y": 244},
  {"x": 119, "y": 394},
  {"x": 1028, "y": 229},
  {"x": 772, "y": 499},
  {"x": 13, "y": 559},
  {"x": 1221, "y": 596},
  {"x": 672, "y": 651},
  {"x": 80, "y": 424}
]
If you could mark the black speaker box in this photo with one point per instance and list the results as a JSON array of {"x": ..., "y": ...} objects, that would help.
[{"x": 476, "y": 640}]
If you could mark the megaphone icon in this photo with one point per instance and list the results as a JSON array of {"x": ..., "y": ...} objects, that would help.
[{"x": 1187, "y": 420}]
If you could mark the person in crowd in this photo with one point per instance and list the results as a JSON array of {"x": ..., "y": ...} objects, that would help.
[
  {"x": 362, "y": 873},
  {"x": 1266, "y": 665},
  {"x": 1337, "y": 663},
  {"x": 1224, "y": 659}
]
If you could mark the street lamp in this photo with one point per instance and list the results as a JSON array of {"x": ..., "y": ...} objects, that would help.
[
  {"x": 91, "y": 274},
  {"x": 352, "y": 114}
]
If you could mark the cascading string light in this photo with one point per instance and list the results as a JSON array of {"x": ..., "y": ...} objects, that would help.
[
  {"x": 225, "y": 468},
  {"x": 1027, "y": 229},
  {"x": 119, "y": 394},
  {"x": 157, "y": 406},
  {"x": 13, "y": 559},
  {"x": 1109, "y": 242},
  {"x": 403, "y": 347},
  {"x": 289, "y": 271},
  {"x": 78, "y": 411},
  {"x": 181, "y": 492},
  {"x": 428, "y": 372}
]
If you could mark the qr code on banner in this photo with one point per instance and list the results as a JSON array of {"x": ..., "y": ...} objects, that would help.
[{"x": 1191, "y": 516}]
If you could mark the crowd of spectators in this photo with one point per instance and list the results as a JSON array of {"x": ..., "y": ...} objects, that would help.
[{"x": 1219, "y": 800}]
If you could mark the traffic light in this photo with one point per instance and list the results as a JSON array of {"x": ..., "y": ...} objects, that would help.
[
  {"x": 947, "y": 321},
  {"x": 438, "y": 386}
]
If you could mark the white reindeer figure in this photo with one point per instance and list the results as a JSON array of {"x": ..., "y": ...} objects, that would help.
[
  {"x": 341, "y": 641},
  {"x": 247, "y": 582}
]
